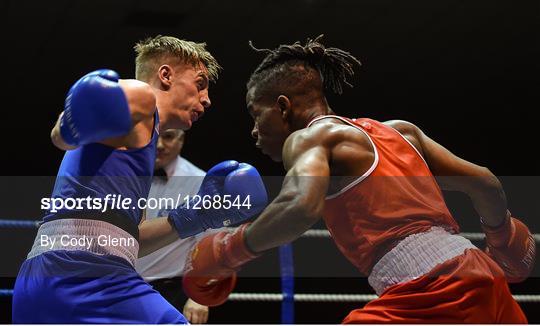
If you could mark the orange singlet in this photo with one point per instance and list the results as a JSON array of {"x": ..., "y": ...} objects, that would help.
[{"x": 393, "y": 222}]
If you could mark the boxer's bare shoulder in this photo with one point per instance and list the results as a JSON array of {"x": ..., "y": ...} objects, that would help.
[
  {"x": 408, "y": 130},
  {"x": 321, "y": 136},
  {"x": 142, "y": 106},
  {"x": 141, "y": 99},
  {"x": 348, "y": 151}
]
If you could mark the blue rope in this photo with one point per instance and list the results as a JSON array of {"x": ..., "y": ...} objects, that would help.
[
  {"x": 6, "y": 293},
  {"x": 287, "y": 283},
  {"x": 19, "y": 224}
]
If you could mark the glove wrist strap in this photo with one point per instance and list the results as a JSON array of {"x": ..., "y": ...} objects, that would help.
[
  {"x": 236, "y": 251},
  {"x": 499, "y": 236},
  {"x": 184, "y": 223}
]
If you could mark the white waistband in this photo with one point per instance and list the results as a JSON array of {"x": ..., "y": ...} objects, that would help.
[
  {"x": 415, "y": 256},
  {"x": 93, "y": 236}
]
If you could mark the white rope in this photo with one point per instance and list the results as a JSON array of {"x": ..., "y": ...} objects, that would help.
[
  {"x": 308, "y": 297},
  {"x": 334, "y": 297},
  {"x": 322, "y": 233},
  {"x": 473, "y": 236},
  {"x": 316, "y": 233},
  {"x": 527, "y": 297},
  {"x": 257, "y": 296}
]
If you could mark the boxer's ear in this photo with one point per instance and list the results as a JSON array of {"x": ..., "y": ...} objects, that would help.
[
  {"x": 164, "y": 74},
  {"x": 284, "y": 105}
]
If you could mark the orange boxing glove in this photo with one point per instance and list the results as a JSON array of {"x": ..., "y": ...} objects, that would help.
[
  {"x": 211, "y": 274},
  {"x": 513, "y": 247}
]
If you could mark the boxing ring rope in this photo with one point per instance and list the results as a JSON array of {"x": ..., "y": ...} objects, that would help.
[
  {"x": 473, "y": 236},
  {"x": 314, "y": 297},
  {"x": 334, "y": 297},
  {"x": 287, "y": 297},
  {"x": 19, "y": 224},
  {"x": 314, "y": 233},
  {"x": 6, "y": 293}
]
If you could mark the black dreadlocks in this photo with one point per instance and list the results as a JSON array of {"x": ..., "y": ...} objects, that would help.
[{"x": 334, "y": 65}]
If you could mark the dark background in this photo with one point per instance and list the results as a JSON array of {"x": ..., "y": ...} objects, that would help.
[{"x": 467, "y": 72}]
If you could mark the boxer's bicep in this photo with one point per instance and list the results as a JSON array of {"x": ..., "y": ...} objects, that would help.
[
  {"x": 300, "y": 202},
  {"x": 309, "y": 177},
  {"x": 452, "y": 172}
]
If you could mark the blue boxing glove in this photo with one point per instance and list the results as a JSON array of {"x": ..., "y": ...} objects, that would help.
[
  {"x": 246, "y": 184},
  {"x": 235, "y": 192},
  {"x": 96, "y": 108},
  {"x": 183, "y": 218}
]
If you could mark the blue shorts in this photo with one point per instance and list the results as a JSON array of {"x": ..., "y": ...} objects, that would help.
[{"x": 79, "y": 287}]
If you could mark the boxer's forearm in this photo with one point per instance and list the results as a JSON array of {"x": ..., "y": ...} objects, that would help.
[
  {"x": 155, "y": 234},
  {"x": 299, "y": 205},
  {"x": 280, "y": 224},
  {"x": 489, "y": 200}
]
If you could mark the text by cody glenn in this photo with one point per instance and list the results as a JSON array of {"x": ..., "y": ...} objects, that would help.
[{"x": 84, "y": 241}]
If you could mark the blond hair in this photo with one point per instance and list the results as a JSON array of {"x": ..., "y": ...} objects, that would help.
[{"x": 152, "y": 51}]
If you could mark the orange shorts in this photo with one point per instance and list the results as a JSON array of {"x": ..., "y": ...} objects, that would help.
[{"x": 470, "y": 288}]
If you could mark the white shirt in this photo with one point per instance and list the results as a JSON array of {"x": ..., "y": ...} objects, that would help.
[{"x": 184, "y": 178}]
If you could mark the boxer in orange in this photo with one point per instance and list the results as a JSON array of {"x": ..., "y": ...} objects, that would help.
[{"x": 377, "y": 185}]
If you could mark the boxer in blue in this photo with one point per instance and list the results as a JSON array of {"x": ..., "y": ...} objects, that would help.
[{"x": 80, "y": 268}]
